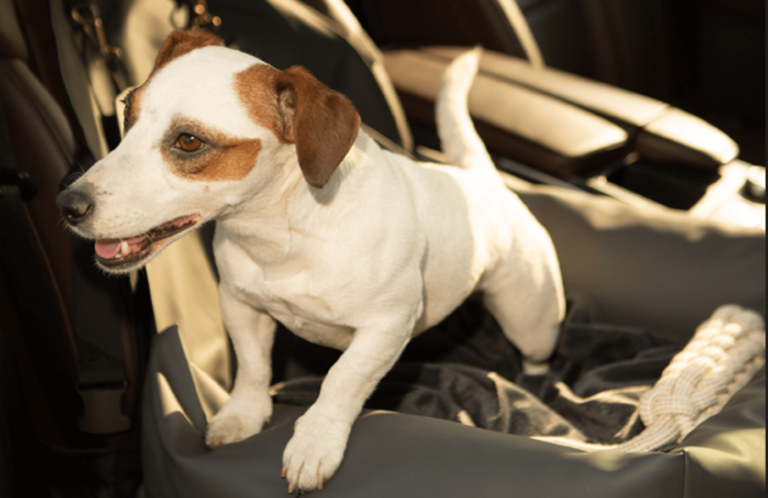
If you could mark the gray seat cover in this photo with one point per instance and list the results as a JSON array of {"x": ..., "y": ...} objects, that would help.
[{"x": 667, "y": 271}]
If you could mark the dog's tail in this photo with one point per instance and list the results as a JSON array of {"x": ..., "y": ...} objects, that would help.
[{"x": 457, "y": 133}]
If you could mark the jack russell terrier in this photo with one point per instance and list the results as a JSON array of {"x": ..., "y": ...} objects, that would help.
[{"x": 347, "y": 245}]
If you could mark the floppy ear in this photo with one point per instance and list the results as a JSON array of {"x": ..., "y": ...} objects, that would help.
[
  {"x": 179, "y": 43},
  {"x": 321, "y": 122}
]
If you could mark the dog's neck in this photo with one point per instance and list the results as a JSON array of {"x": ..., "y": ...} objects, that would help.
[{"x": 275, "y": 219}]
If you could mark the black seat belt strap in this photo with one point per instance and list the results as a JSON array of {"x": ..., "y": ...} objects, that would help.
[
  {"x": 45, "y": 333},
  {"x": 101, "y": 321}
]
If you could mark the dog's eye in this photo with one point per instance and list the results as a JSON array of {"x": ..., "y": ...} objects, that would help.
[{"x": 189, "y": 143}]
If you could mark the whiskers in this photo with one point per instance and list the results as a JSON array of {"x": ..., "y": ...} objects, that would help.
[
  {"x": 63, "y": 223},
  {"x": 76, "y": 171},
  {"x": 71, "y": 178}
]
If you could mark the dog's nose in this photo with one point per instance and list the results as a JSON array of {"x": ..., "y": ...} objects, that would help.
[{"x": 74, "y": 206}]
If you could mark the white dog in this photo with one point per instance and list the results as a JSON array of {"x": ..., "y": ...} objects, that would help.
[{"x": 347, "y": 245}]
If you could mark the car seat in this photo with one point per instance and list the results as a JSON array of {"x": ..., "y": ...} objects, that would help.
[
  {"x": 626, "y": 143},
  {"x": 704, "y": 57}
]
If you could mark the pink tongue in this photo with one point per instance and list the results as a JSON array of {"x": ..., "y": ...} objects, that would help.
[
  {"x": 107, "y": 249},
  {"x": 110, "y": 248}
]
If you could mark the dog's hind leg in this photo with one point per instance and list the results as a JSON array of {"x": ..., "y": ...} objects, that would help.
[{"x": 528, "y": 302}]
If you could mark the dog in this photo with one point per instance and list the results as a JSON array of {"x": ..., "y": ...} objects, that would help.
[{"x": 348, "y": 245}]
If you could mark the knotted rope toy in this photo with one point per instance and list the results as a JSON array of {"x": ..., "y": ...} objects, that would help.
[{"x": 722, "y": 357}]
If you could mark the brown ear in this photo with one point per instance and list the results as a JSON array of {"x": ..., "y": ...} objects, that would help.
[
  {"x": 179, "y": 43},
  {"x": 322, "y": 123}
]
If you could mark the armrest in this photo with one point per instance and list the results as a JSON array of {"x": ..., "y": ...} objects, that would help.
[
  {"x": 514, "y": 121},
  {"x": 657, "y": 131}
]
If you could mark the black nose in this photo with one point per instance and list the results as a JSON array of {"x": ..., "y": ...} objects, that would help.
[{"x": 74, "y": 205}]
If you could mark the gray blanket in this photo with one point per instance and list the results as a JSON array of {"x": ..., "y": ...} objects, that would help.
[{"x": 465, "y": 370}]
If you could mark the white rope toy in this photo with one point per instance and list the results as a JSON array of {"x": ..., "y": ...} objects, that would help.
[{"x": 725, "y": 353}]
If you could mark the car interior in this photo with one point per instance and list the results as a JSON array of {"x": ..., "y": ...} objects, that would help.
[{"x": 634, "y": 130}]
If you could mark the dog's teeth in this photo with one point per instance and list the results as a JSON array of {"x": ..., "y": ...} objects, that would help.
[{"x": 124, "y": 249}]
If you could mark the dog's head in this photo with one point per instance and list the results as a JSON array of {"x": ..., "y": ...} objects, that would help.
[{"x": 210, "y": 129}]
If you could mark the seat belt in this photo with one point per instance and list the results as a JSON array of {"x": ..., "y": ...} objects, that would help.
[
  {"x": 349, "y": 27},
  {"x": 77, "y": 84},
  {"x": 101, "y": 374},
  {"x": 523, "y": 31},
  {"x": 101, "y": 304},
  {"x": 101, "y": 322},
  {"x": 45, "y": 332}
]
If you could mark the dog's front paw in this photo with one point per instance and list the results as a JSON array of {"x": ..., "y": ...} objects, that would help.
[
  {"x": 314, "y": 452},
  {"x": 239, "y": 419}
]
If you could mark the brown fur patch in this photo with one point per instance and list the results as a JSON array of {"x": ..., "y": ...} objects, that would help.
[
  {"x": 180, "y": 43},
  {"x": 223, "y": 158},
  {"x": 132, "y": 107},
  {"x": 256, "y": 88},
  {"x": 300, "y": 109}
]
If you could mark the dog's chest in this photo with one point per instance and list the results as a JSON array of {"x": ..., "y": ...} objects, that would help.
[{"x": 309, "y": 316}]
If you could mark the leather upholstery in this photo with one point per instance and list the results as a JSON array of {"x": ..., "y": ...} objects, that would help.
[
  {"x": 706, "y": 56},
  {"x": 664, "y": 133},
  {"x": 35, "y": 17},
  {"x": 44, "y": 147},
  {"x": 547, "y": 131},
  {"x": 623, "y": 43},
  {"x": 513, "y": 120},
  {"x": 679, "y": 137},
  {"x": 454, "y": 22},
  {"x": 628, "y": 109}
]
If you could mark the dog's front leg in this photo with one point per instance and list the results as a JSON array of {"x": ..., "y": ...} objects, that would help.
[
  {"x": 249, "y": 406},
  {"x": 320, "y": 436}
]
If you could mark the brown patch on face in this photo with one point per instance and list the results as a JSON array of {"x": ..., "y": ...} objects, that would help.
[
  {"x": 256, "y": 88},
  {"x": 221, "y": 158},
  {"x": 180, "y": 43},
  {"x": 132, "y": 107},
  {"x": 299, "y": 109}
]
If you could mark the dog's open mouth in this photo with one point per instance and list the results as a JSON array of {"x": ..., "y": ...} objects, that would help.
[{"x": 114, "y": 253}]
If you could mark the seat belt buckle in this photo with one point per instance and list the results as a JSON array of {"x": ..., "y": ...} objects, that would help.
[
  {"x": 12, "y": 176},
  {"x": 103, "y": 408}
]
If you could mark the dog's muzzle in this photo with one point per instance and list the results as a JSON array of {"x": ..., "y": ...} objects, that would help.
[
  {"x": 74, "y": 205},
  {"x": 124, "y": 253}
]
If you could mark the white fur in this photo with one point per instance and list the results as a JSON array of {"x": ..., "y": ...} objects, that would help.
[{"x": 386, "y": 249}]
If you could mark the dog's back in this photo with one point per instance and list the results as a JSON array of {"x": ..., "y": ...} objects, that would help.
[
  {"x": 510, "y": 256},
  {"x": 477, "y": 232}
]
